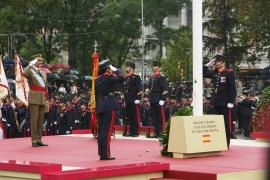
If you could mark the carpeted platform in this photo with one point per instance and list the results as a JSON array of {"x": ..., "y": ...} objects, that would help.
[{"x": 81, "y": 152}]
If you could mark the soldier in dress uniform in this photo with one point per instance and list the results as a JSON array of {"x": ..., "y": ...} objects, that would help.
[
  {"x": 158, "y": 88},
  {"x": 22, "y": 114},
  {"x": 84, "y": 117},
  {"x": 224, "y": 93},
  {"x": 106, "y": 106},
  {"x": 133, "y": 95},
  {"x": 37, "y": 99}
]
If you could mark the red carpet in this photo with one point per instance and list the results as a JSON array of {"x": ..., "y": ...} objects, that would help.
[{"x": 82, "y": 152}]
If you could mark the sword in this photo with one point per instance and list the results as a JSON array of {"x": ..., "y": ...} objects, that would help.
[
  {"x": 230, "y": 119},
  {"x": 138, "y": 117},
  {"x": 163, "y": 117}
]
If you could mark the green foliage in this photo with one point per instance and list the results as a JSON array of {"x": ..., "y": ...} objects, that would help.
[
  {"x": 241, "y": 25},
  {"x": 154, "y": 13},
  {"x": 164, "y": 136},
  {"x": 178, "y": 64},
  {"x": 264, "y": 99}
]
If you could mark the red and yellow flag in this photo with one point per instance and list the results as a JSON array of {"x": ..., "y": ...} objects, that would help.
[{"x": 95, "y": 61}]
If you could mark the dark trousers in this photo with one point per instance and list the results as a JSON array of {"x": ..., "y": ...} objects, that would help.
[
  {"x": 246, "y": 125},
  {"x": 132, "y": 118},
  {"x": 228, "y": 121},
  {"x": 156, "y": 117},
  {"x": 105, "y": 125}
]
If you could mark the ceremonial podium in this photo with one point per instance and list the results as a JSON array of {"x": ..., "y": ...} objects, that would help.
[{"x": 196, "y": 136}]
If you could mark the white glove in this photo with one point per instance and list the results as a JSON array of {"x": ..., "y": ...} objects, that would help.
[
  {"x": 13, "y": 105},
  {"x": 161, "y": 102},
  {"x": 210, "y": 63},
  {"x": 137, "y": 101},
  {"x": 113, "y": 68},
  {"x": 230, "y": 105}
]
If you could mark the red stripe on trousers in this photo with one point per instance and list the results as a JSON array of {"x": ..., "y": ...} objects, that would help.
[
  {"x": 230, "y": 119},
  {"x": 110, "y": 134},
  {"x": 138, "y": 118},
  {"x": 163, "y": 117}
]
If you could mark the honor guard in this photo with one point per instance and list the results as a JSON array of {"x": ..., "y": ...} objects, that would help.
[
  {"x": 37, "y": 99},
  {"x": 106, "y": 106},
  {"x": 224, "y": 93},
  {"x": 158, "y": 88},
  {"x": 133, "y": 95}
]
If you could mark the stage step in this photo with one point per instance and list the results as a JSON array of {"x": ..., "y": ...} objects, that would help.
[
  {"x": 139, "y": 171},
  {"x": 165, "y": 179}
]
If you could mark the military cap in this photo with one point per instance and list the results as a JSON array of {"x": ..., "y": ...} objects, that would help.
[
  {"x": 156, "y": 64},
  {"x": 38, "y": 57},
  {"x": 130, "y": 64},
  {"x": 220, "y": 57},
  {"x": 103, "y": 65}
]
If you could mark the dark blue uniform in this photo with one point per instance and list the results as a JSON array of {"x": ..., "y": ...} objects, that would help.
[
  {"x": 134, "y": 87},
  {"x": 158, "y": 88},
  {"x": 224, "y": 92},
  {"x": 106, "y": 105},
  {"x": 23, "y": 120},
  {"x": 246, "y": 109}
]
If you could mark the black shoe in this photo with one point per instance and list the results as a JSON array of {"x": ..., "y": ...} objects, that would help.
[
  {"x": 134, "y": 135},
  {"x": 126, "y": 134},
  {"x": 107, "y": 158},
  {"x": 42, "y": 144},
  {"x": 35, "y": 144}
]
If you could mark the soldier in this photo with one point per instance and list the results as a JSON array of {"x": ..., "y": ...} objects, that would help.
[
  {"x": 158, "y": 88},
  {"x": 133, "y": 94},
  {"x": 106, "y": 106},
  {"x": 224, "y": 93},
  {"x": 38, "y": 96},
  {"x": 84, "y": 117}
]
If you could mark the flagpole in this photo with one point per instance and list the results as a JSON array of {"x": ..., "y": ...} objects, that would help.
[
  {"x": 95, "y": 60},
  {"x": 197, "y": 58}
]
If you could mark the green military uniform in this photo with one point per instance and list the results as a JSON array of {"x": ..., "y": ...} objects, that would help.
[{"x": 37, "y": 101}]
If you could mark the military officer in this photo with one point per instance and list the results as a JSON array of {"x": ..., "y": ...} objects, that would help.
[
  {"x": 106, "y": 106},
  {"x": 37, "y": 99},
  {"x": 158, "y": 88},
  {"x": 133, "y": 95},
  {"x": 224, "y": 93}
]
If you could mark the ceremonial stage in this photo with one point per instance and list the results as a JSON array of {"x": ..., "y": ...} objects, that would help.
[{"x": 75, "y": 157}]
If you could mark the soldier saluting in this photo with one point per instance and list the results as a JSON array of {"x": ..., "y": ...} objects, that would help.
[
  {"x": 224, "y": 91},
  {"x": 133, "y": 95},
  {"x": 37, "y": 99},
  {"x": 106, "y": 106}
]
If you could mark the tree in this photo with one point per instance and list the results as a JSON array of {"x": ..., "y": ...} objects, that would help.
[
  {"x": 178, "y": 64},
  {"x": 121, "y": 24},
  {"x": 155, "y": 12},
  {"x": 240, "y": 26}
]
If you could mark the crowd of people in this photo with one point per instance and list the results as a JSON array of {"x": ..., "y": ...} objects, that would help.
[
  {"x": 69, "y": 107},
  {"x": 69, "y": 110}
]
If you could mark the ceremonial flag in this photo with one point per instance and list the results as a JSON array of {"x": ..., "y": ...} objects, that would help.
[
  {"x": 95, "y": 60},
  {"x": 3, "y": 81},
  {"x": 21, "y": 84}
]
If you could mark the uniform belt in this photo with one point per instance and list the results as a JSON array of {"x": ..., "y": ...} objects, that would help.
[
  {"x": 156, "y": 92},
  {"x": 41, "y": 89},
  {"x": 105, "y": 96}
]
